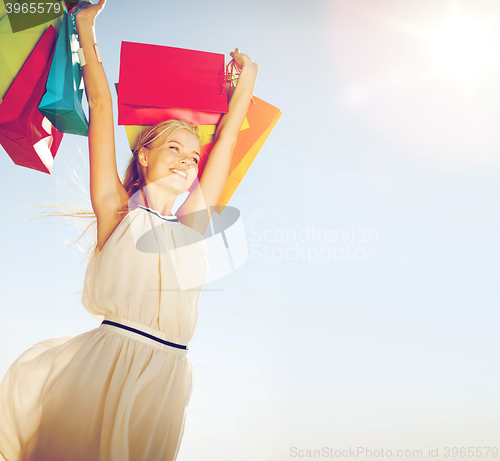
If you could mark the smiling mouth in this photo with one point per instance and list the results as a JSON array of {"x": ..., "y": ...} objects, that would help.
[{"x": 179, "y": 172}]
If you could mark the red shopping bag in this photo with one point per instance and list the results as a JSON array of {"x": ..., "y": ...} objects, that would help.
[
  {"x": 27, "y": 136},
  {"x": 158, "y": 83}
]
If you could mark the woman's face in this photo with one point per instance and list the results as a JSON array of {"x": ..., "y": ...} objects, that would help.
[{"x": 176, "y": 163}]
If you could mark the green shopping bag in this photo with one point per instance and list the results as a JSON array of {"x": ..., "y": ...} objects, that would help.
[
  {"x": 3, "y": 10},
  {"x": 15, "y": 48},
  {"x": 62, "y": 102}
]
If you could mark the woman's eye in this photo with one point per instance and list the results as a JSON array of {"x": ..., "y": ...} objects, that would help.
[
  {"x": 174, "y": 147},
  {"x": 195, "y": 159}
]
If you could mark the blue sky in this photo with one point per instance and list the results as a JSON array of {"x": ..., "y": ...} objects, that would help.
[{"x": 388, "y": 140}]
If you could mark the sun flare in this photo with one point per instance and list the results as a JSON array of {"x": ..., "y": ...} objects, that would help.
[
  {"x": 463, "y": 47},
  {"x": 423, "y": 75}
]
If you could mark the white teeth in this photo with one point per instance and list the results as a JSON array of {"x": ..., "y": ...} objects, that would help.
[{"x": 175, "y": 170}]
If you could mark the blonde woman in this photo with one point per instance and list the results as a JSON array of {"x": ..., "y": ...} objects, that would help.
[{"x": 120, "y": 392}]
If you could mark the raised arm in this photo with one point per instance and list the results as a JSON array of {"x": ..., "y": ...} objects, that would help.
[
  {"x": 106, "y": 190},
  {"x": 195, "y": 211}
]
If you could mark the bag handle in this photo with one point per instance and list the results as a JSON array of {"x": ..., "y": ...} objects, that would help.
[
  {"x": 233, "y": 74},
  {"x": 78, "y": 8}
]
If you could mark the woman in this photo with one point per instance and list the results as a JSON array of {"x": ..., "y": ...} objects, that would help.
[{"x": 120, "y": 392}]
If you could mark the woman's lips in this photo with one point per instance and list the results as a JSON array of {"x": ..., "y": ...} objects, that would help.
[{"x": 180, "y": 172}]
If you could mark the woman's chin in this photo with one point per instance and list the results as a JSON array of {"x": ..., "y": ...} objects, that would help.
[
  {"x": 180, "y": 188},
  {"x": 182, "y": 184}
]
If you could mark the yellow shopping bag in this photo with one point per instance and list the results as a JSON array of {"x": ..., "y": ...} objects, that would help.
[{"x": 206, "y": 133}]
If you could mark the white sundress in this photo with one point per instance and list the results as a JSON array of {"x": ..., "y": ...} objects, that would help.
[{"x": 113, "y": 393}]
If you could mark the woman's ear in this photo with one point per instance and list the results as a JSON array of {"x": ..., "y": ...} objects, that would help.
[{"x": 143, "y": 156}]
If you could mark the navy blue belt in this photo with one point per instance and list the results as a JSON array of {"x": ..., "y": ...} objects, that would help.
[{"x": 147, "y": 335}]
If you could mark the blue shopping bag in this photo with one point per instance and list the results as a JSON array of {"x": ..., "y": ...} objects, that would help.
[{"x": 62, "y": 101}]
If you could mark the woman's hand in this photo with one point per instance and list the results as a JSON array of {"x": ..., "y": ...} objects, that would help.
[
  {"x": 242, "y": 60},
  {"x": 88, "y": 13}
]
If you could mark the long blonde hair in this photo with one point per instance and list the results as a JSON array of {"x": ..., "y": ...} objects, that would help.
[{"x": 133, "y": 180}]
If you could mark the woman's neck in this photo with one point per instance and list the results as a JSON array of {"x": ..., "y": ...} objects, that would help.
[{"x": 150, "y": 200}]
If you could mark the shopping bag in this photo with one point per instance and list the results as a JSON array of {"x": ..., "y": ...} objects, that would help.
[
  {"x": 3, "y": 10},
  {"x": 28, "y": 137},
  {"x": 262, "y": 117},
  {"x": 158, "y": 83},
  {"x": 205, "y": 132},
  {"x": 62, "y": 101},
  {"x": 16, "y": 47},
  {"x": 24, "y": 15}
]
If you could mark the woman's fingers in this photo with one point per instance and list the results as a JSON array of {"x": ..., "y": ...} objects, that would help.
[
  {"x": 240, "y": 59},
  {"x": 89, "y": 11}
]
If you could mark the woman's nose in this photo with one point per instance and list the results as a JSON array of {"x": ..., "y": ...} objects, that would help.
[{"x": 186, "y": 161}]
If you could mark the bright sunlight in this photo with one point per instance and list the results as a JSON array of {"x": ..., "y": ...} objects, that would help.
[{"x": 463, "y": 46}]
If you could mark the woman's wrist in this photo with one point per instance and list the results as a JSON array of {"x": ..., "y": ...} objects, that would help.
[
  {"x": 83, "y": 22},
  {"x": 249, "y": 73},
  {"x": 86, "y": 33},
  {"x": 249, "y": 64},
  {"x": 250, "y": 70}
]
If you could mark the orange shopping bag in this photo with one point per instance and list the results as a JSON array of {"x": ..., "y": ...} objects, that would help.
[{"x": 262, "y": 117}]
